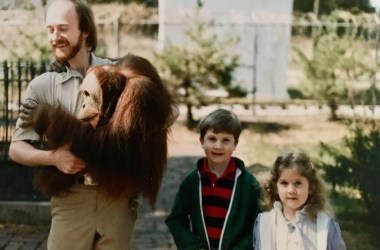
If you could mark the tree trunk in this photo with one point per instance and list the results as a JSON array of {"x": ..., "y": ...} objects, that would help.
[
  {"x": 333, "y": 108},
  {"x": 189, "y": 116}
]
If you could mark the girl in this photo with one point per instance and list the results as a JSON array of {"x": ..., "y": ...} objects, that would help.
[{"x": 297, "y": 200}]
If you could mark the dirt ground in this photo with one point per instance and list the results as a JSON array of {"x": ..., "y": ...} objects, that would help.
[{"x": 264, "y": 136}]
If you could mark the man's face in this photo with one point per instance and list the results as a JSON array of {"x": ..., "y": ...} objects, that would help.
[{"x": 63, "y": 30}]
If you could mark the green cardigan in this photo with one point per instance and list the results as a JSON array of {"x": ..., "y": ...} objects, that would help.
[{"x": 186, "y": 223}]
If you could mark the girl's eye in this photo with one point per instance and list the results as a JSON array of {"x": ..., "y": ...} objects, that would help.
[{"x": 283, "y": 183}]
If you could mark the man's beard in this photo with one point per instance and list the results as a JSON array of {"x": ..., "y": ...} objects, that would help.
[{"x": 73, "y": 50}]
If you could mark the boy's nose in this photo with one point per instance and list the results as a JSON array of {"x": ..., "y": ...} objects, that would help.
[{"x": 218, "y": 144}]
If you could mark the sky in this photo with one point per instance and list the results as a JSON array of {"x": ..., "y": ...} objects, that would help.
[{"x": 375, "y": 3}]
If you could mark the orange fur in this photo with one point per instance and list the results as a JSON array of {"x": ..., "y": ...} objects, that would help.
[{"x": 127, "y": 151}]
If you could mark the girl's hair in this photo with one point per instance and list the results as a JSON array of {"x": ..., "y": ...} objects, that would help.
[{"x": 317, "y": 200}]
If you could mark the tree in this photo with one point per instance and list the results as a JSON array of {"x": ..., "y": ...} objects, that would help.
[
  {"x": 150, "y": 3},
  {"x": 328, "y": 6},
  {"x": 32, "y": 47},
  {"x": 356, "y": 165},
  {"x": 337, "y": 64},
  {"x": 202, "y": 64}
]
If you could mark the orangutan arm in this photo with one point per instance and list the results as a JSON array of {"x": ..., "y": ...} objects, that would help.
[{"x": 97, "y": 147}]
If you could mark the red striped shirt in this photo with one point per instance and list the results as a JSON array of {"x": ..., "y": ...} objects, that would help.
[{"x": 216, "y": 197}]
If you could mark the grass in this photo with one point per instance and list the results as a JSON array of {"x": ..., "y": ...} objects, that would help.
[{"x": 358, "y": 230}]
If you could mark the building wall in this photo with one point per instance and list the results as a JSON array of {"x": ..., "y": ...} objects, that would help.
[{"x": 263, "y": 28}]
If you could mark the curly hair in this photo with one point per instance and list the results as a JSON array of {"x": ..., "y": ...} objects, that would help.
[{"x": 297, "y": 159}]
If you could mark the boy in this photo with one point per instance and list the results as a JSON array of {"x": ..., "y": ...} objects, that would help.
[{"x": 217, "y": 203}]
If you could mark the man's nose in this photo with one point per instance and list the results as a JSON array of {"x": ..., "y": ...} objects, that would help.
[{"x": 54, "y": 36}]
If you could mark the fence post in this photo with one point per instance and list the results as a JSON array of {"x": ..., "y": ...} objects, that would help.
[
  {"x": 6, "y": 97},
  {"x": 19, "y": 81},
  {"x": 42, "y": 67},
  {"x": 32, "y": 70}
]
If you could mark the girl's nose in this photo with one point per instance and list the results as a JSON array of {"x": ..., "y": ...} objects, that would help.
[{"x": 291, "y": 189}]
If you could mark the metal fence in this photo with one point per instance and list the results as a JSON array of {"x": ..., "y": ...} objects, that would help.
[{"x": 16, "y": 180}]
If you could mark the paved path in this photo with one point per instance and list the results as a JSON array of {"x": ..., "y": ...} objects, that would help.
[{"x": 150, "y": 230}]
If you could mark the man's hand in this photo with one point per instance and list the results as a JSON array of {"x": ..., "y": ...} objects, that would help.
[
  {"x": 66, "y": 161},
  {"x": 27, "y": 109}
]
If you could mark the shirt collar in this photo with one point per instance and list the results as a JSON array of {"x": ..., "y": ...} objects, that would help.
[
  {"x": 300, "y": 214},
  {"x": 231, "y": 168},
  {"x": 66, "y": 76}
]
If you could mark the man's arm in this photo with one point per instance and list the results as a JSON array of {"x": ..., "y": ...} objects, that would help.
[{"x": 25, "y": 154}]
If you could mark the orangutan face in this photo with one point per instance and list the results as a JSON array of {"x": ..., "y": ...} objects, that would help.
[{"x": 92, "y": 99}]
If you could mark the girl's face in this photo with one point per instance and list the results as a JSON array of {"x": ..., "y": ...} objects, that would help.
[
  {"x": 218, "y": 148},
  {"x": 293, "y": 190}
]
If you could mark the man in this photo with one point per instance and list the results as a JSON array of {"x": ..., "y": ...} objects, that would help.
[{"x": 85, "y": 218}]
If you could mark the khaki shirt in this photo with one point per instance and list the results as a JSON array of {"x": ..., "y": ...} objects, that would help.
[{"x": 54, "y": 88}]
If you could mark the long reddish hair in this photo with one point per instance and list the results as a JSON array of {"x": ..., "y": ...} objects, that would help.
[{"x": 127, "y": 151}]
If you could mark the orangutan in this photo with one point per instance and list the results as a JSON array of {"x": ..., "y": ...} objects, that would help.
[{"x": 121, "y": 131}]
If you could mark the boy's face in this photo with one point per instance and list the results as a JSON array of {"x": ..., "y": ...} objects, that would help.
[{"x": 218, "y": 147}]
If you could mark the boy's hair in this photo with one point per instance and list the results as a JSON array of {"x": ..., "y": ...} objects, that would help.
[
  {"x": 300, "y": 161},
  {"x": 221, "y": 120}
]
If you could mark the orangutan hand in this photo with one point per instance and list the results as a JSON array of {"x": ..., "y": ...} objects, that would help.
[{"x": 27, "y": 110}]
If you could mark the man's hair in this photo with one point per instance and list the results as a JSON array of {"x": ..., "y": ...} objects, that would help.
[
  {"x": 221, "y": 120},
  {"x": 86, "y": 22}
]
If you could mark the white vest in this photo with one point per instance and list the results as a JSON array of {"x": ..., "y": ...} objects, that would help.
[{"x": 269, "y": 240}]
